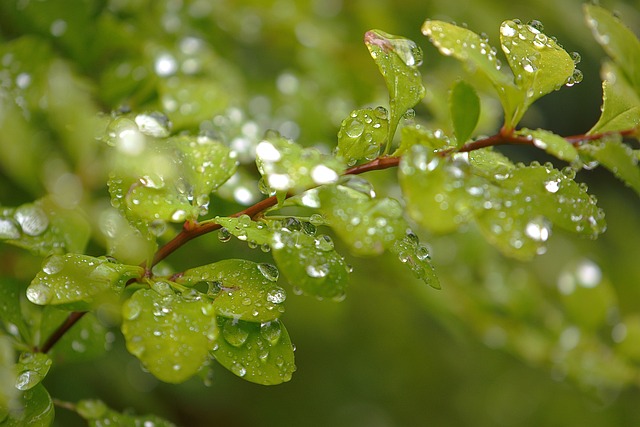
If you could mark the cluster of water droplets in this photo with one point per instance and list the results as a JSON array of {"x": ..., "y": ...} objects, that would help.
[
  {"x": 32, "y": 368},
  {"x": 362, "y": 135},
  {"x": 29, "y": 220},
  {"x": 417, "y": 257}
]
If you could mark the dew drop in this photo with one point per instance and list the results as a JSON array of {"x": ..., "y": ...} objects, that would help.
[
  {"x": 238, "y": 369},
  {"x": 8, "y": 229},
  {"x": 39, "y": 293},
  {"x": 153, "y": 124},
  {"x": 32, "y": 219},
  {"x": 322, "y": 174},
  {"x": 224, "y": 235},
  {"x": 28, "y": 380},
  {"x": 131, "y": 310},
  {"x": 53, "y": 265},
  {"x": 324, "y": 243},
  {"x": 269, "y": 271},
  {"x": 354, "y": 128},
  {"x": 234, "y": 334},
  {"x": 271, "y": 331},
  {"x": 317, "y": 271},
  {"x": 276, "y": 296}
]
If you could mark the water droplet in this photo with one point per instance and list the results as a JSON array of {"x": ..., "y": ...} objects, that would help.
[
  {"x": 32, "y": 219},
  {"x": 354, "y": 128},
  {"x": 267, "y": 152},
  {"x": 28, "y": 380},
  {"x": 575, "y": 57},
  {"x": 131, "y": 309},
  {"x": 224, "y": 235},
  {"x": 322, "y": 174},
  {"x": 316, "y": 219},
  {"x": 317, "y": 271},
  {"x": 271, "y": 331},
  {"x": 536, "y": 25},
  {"x": 276, "y": 296},
  {"x": 179, "y": 215},
  {"x": 165, "y": 65},
  {"x": 53, "y": 265},
  {"x": 39, "y": 293},
  {"x": 552, "y": 186},
  {"x": 234, "y": 334},
  {"x": 269, "y": 271},
  {"x": 324, "y": 243},
  {"x": 507, "y": 31},
  {"x": 153, "y": 124},
  {"x": 588, "y": 274},
  {"x": 538, "y": 230},
  {"x": 8, "y": 229},
  {"x": 238, "y": 369}
]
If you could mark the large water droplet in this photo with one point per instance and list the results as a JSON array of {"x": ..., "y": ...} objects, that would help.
[
  {"x": 39, "y": 293},
  {"x": 271, "y": 331},
  {"x": 354, "y": 128},
  {"x": 53, "y": 265},
  {"x": 276, "y": 296},
  {"x": 317, "y": 271},
  {"x": 8, "y": 229},
  {"x": 234, "y": 334},
  {"x": 28, "y": 380},
  {"x": 32, "y": 219},
  {"x": 269, "y": 271},
  {"x": 154, "y": 124}
]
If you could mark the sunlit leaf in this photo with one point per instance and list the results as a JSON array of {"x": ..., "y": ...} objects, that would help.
[
  {"x": 368, "y": 226},
  {"x": 464, "y": 107},
  {"x": 78, "y": 282},
  {"x": 620, "y": 104},
  {"x": 362, "y": 135},
  {"x": 257, "y": 352},
  {"x": 418, "y": 134},
  {"x": 620, "y": 43},
  {"x": 97, "y": 414},
  {"x": 242, "y": 289},
  {"x": 310, "y": 263},
  {"x": 539, "y": 64},
  {"x": 43, "y": 228},
  {"x": 398, "y": 59},
  {"x": 285, "y": 165},
  {"x": 618, "y": 158},
  {"x": 244, "y": 229},
  {"x": 552, "y": 143},
  {"x": 489, "y": 163},
  {"x": 171, "y": 334}
]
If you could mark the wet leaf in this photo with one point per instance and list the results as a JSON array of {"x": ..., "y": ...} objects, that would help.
[
  {"x": 539, "y": 64},
  {"x": 97, "y": 414},
  {"x": 620, "y": 43},
  {"x": 242, "y": 289},
  {"x": 368, "y": 225},
  {"x": 551, "y": 143},
  {"x": 9, "y": 394},
  {"x": 620, "y": 104},
  {"x": 416, "y": 256},
  {"x": 436, "y": 189},
  {"x": 618, "y": 157},
  {"x": 89, "y": 338},
  {"x": 398, "y": 59},
  {"x": 362, "y": 135},
  {"x": 36, "y": 409},
  {"x": 311, "y": 264},
  {"x": 11, "y": 315},
  {"x": 261, "y": 353},
  {"x": 489, "y": 163},
  {"x": 464, "y": 107},
  {"x": 476, "y": 52},
  {"x": 79, "y": 282},
  {"x": 31, "y": 370},
  {"x": 417, "y": 134},
  {"x": 285, "y": 165},
  {"x": 171, "y": 334},
  {"x": 175, "y": 179},
  {"x": 43, "y": 228}
]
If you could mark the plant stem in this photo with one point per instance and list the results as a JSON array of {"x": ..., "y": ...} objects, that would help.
[{"x": 191, "y": 230}]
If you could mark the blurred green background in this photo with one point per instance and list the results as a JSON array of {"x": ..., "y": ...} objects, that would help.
[{"x": 555, "y": 342}]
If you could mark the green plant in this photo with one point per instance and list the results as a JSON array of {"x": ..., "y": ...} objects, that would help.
[{"x": 177, "y": 322}]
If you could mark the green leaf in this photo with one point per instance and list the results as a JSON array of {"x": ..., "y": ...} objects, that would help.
[
  {"x": 171, "y": 334},
  {"x": 310, "y": 263},
  {"x": 362, "y": 135},
  {"x": 79, "y": 282},
  {"x": 489, "y": 163},
  {"x": 474, "y": 50},
  {"x": 416, "y": 256},
  {"x": 539, "y": 64},
  {"x": 417, "y": 134},
  {"x": 551, "y": 143},
  {"x": 285, "y": 165},
  {"x": 368, "y": 226},
  {"x": 259, "y": 353},
  {"x": 158, "y": 179},
  {"x": 620, "y": 104},
  {"x": 618, "y": 158},
  {"x": 620, "y": 43},
  {"x": 98, "y": 414},
  {"x": 464, "y": 107},
  {"x": 43, "y": 228},
  {"x": 89, "y": 338},
  {"x": 9, "y": 394},
  {"x": 36, "y": 409},
  {"x": 242, "y": 289},
  {"x": 11, "y": 315},
  {"x": 31, "y": 370},
  {"x": 518, "y": 211},
  {"x": 398, "y": 59},
  {"x": 436, "y": 189}
]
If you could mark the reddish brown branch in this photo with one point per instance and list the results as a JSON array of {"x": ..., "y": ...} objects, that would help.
[{"x": 192, "y": 230}]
